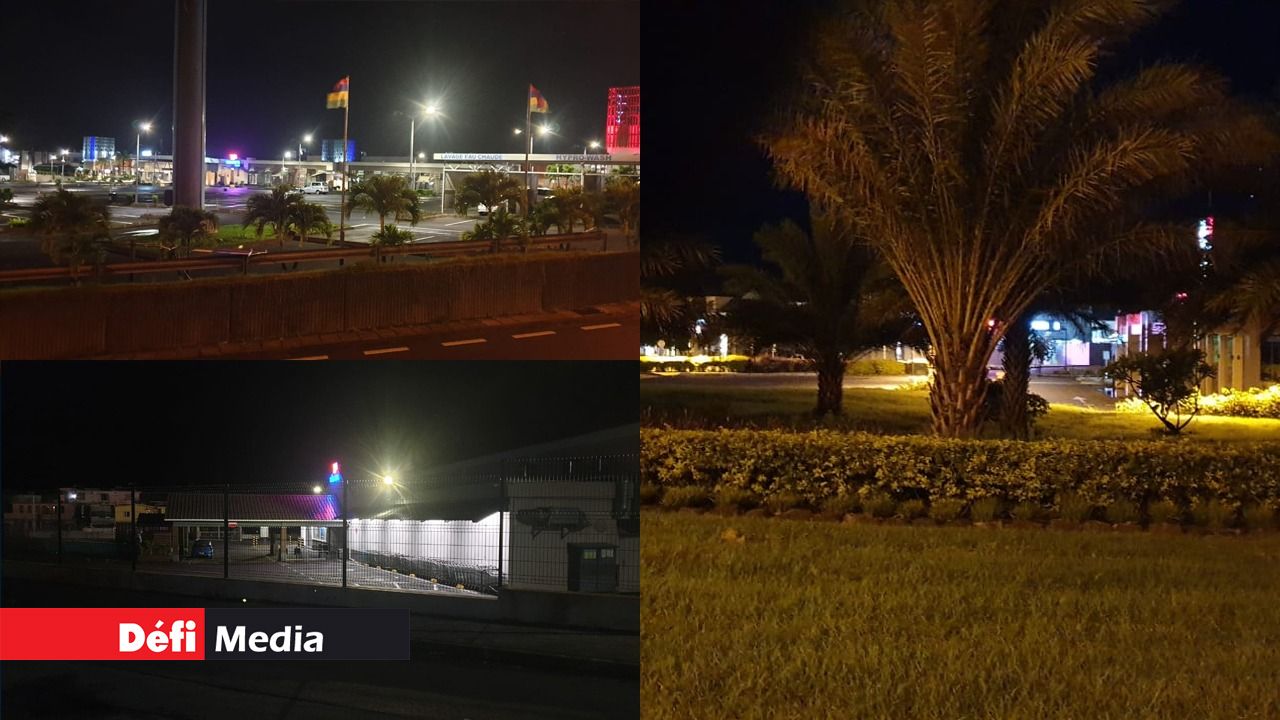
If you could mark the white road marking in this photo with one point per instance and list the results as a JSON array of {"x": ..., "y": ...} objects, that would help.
[
  {"x": 460, "y": 222},
  {"x": 472, "y": 341},
  {"x": 312, "y": 357},
  {"x": 601, "y": 326},
  {"x": 540, "y": 333},
  {"x": 384, "y": 351}
]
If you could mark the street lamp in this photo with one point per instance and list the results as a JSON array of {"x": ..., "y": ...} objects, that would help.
[
  {"x": 62, "y": 171},
  {"x": 316, "y": 489},
  {"x": 388, "y": 480},
  {"x": 431, "y": 110},
  {"x": 137, "y": 155},
  {"x": 306, "y": 140},
  {"x": 287, "y": 155},
  {"x": 593, "y": 145}
]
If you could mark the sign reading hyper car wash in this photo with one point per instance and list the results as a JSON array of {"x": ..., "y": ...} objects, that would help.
[{"x": 203, "y": 634}]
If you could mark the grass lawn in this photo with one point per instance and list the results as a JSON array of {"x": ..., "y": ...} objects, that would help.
[
  {"x": 905, "y": 412},
  {"x": 819, "y": 620}
]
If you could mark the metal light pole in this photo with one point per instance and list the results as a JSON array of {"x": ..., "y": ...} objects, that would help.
[
  {"x": 412, "y": 178},
  {"x": 137, "y": 159},
  {"x": 593, "y": 145},
  {"x": 287, "y": 154}
]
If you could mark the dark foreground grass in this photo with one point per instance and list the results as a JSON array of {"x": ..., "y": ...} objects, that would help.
[
  {"x": 819, "y": 620},
  {"x": 906, "y": 412}
]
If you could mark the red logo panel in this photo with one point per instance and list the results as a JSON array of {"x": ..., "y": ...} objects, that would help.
[{"x": 102, "y": 633}]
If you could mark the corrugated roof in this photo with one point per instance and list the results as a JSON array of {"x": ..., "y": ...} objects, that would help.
[{"x": 190, "y": 507}]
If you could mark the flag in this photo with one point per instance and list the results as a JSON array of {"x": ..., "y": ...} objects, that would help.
[
  {"x": 338, "y": 98},
  {"x": 536, "y": 101}
]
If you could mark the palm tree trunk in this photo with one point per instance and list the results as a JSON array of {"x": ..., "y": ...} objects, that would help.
[
  {"x": 958, "y": 392},
  {"x": 830, "y": 384},
  {"x": 1014, "y": 421}
]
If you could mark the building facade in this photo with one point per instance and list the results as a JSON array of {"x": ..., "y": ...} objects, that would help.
[
  {"x": 98, "y": 149},
  {"x": 331, "y": 151},
  {"x": 622, "y": 120}
]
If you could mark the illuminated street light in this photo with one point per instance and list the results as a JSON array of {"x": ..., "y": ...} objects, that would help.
[
  {"x": 137, "y": 153},
  {"x": 316, "y": 489},
  {"x": 388, "y": 480},
  {"x": 429, "y": 111}
]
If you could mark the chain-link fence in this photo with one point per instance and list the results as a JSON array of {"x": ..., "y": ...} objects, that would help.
[{"x": 566, "y": 524}]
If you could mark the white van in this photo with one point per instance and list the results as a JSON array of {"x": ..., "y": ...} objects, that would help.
[{"x": 315, "y": 188}]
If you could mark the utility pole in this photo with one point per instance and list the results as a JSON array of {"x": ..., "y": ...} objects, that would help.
[{"x": 190, "y": 32}]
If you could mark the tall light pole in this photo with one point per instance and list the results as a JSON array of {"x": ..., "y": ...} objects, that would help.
[
  {"x": 62, "y": 171},
  {"x": 137, "y": 159},
  {"x": 431, "y": 110},
  {"x": 306, "y": 140},
  {"x": 593, "y": 145},
  {"x": 287, "y": 155}
]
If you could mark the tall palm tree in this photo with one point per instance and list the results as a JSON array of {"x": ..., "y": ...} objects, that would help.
[
  {"x": 831, "y": 298},
  {"x": 491, "y": 189},
  {"x": 185, "y": 227},
  {"x": 662, "y": 261},
  {"x": 275, "y": 208},
  {"x": 306, "y": 218},
  {"x": 973, "y": 143},
  {"x": 71, "y": 226},
  {"x": 622, "y": 194},
  {"x": 385, "y": 195}
]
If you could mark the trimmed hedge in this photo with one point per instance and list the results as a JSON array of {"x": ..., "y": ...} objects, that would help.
[
  {"x": 816, "y": 466},
  {"x": 1252, "y": 403}
]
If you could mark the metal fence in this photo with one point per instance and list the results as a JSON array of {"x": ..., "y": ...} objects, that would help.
[{"x": 568, "y": 524}]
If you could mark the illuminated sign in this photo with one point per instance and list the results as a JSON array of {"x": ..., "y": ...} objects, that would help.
[{"x": 519, "y": 157}]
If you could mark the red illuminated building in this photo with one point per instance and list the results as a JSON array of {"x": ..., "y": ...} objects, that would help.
[{"x": 622, "y": 125}]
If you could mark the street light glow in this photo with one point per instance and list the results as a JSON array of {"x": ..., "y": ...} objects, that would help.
[
  {"x": 306, "y": 138},
  {"x": 594, "y": 144},
  {"x": 388, "y": 480},
  {"x": 316, "y": 489},
  {"x": 146, "y": 126},
  {"x": 433, "y": 109},
  {"x": 543, "y": 129},
  {"x": 517, "y": 131},
  {"x": 287, "y": 154}
]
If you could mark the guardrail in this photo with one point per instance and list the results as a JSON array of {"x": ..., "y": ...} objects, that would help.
[{"x": 222, "y": 260}]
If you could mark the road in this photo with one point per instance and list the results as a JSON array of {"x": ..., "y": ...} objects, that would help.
[
  {"x": 1054, "y": 388},
  {"x": 586, "y": 334},
  {"x": 435, "y": 683}
]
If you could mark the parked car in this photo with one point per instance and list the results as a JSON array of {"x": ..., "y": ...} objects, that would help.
[
  {"x": 202, "y": 548},
  {"x": 316, "y": 188}
]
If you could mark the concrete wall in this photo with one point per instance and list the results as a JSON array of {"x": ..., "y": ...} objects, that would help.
[
  {"x": 121, "y": 319},
  {"x": 579, "y": 610}
]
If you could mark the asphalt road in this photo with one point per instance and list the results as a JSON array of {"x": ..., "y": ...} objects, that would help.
[
  {"x": 435, "y": 683},
  {"x": 581, "y": 335},
  {"x": 1054, "y": 388}
]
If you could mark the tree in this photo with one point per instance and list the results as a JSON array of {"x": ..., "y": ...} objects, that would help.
[
  {"x": 500, "y": 226},
  {"x": 831, "y": 298},
  {"x": 662, "y": 263},
  {"x": 276, "y": 208},
  {"x": 185, "y": 227},
  {"x": 385, "y": 195},
  {"x": 622, "y": 195},
  {"x": 72, "y": 227},
  {"x": 491, "y": 189},
  {"x": 973, "y": 143},
  {"x": 390, "y": 236},
  {"x": 306, "y": 218},
  {"x": 1167, "y": 382}
]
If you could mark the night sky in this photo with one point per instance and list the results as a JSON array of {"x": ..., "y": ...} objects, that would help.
[
  {"x": 94, "y": 68},
  {"x": 109, "y": 424},
  {"x": 724, "y": 70}
]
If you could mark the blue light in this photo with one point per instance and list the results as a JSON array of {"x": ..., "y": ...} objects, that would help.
[{"x": 335, "y": 478}]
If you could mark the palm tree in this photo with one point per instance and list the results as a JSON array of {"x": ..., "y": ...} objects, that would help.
[
  {"x": 72, "y": 227},
  {"x": 623, "y": 197},
  {"x": 500, "y": 226},
  {"x": 275, "y": 209},
  {"x": 306, "y": 218},
  {"x": 385, "y": 195},
  {"x": 973, "y": 144},
  {"x": 491, "y": 189},
  {"x": 184, "y": 227},
  {"x": 831, "y": 298},
  {"x": 662, "y": 262}
]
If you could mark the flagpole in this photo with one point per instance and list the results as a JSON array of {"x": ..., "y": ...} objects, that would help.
[
  {"x": 528, "y": 148},
  {"x": 346, "y": 169}
]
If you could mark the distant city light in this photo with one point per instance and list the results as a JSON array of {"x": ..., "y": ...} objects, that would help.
[
  {"x": 233, "y": 156},
  {"x": 71, "y": 496},
  {"x": 335, "y": 476},
  {"x": 316, "y": 489},
  {"x": 146, "y": 153}
]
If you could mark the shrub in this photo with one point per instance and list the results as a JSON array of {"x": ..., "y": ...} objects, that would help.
[
  {"x": 841, "y": 505},
  {"x": 650, "y": 493},
  {"x": 15, "y": 223},
  {"x": 1214, "y": 514},
  {"x": 878, "y": 504},
  {"x": 946, "y": 509},
  {"x": 986, "y": 510},
  {"x": 875, "y": 367},
  {"x": 1259, "y": 517},
  {"x": 911, "y": 509},
  {"x": 1254, "y": 402},
  {"x": 737, "y": 497},
  {"x": 1164, "y": 511},
  {"x": 782, "y": 502},
  {"x": 686, "y": 496},
  {"x": 1122, "y": 511},
  {"x": 1166, "y": 382},
  {"x": 772, "y": 364},
  {"x": 1028, "y": 511},
  {"x": 1074, "y": 507},
  {"x": 821, "y": 464}
]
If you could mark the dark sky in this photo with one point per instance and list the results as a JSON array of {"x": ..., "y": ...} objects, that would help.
[
  {"x": 723, "y": 70},
  {"x": 108, "y": 424},
  {"x": 94, "y": 68}
]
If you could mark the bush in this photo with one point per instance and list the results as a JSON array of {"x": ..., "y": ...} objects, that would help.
[
  {"x": 1259, "y": 517},
  {"x": 1074, "y": 507},
  {"x": 686, "y": 496},
  {"x": 18, "y": 222},
  {"x": 912, "y": 509},
  {"x": 875, "y": 367},
  {"x": 1214, "y": 514},
  {"x": 1254, "y": 402},
  {"x": 1163, "y": 511},
  {"x": 878, "y": 504},
  {"x": 841, "y": 505},
  {"x": 1028, "y": 512},
  {"x": 986, "y": 510},
  {"x": 736, "y": 497},
  {"x": 771, "y": 364},
  {"x": 1122, "y": 511},
  {"x": 946, "y": 509},
  {"x": 821, "y": 464}
]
